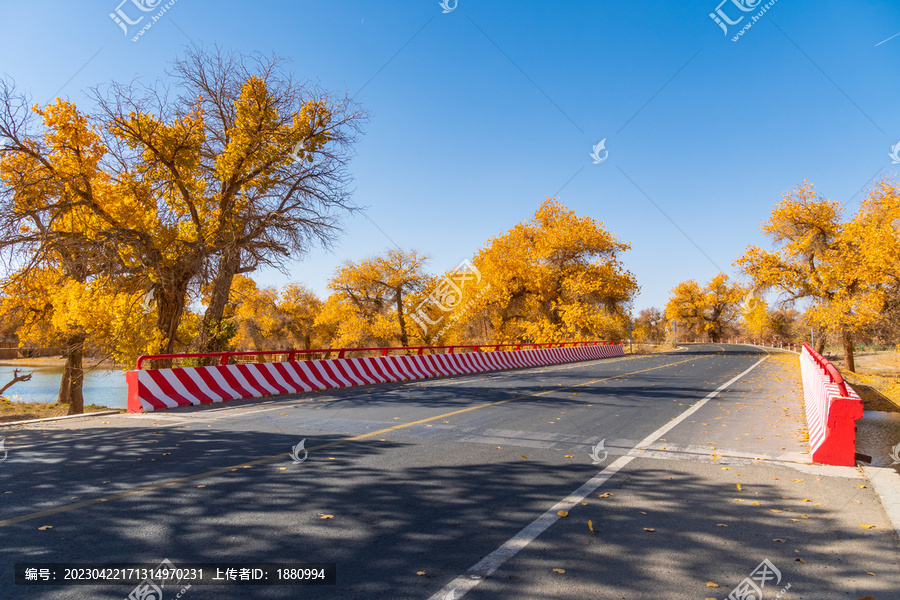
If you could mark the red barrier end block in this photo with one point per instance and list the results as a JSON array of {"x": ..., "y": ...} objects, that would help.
[
  {"x": 131, "y": 380},
  {"x": 839, "y": 446}
]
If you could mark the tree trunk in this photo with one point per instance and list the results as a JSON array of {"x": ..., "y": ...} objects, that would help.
[
  {"x": 820, "y": 344},
  {"x": 401, "y": 319},
  {"x": 171, "y": 300},
  {"x": 70, "y": 388},
  {"x": 229, "y": 263},
  {"x": 847, "y": 339}
]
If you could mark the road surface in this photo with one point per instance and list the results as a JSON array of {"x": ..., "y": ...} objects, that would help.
[{"x": 451, "y": 488}]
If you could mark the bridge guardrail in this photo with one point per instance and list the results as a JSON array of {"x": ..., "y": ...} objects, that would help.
[
  {"x": 161, "y": 389},
  {"x": 832, "y": 408}
]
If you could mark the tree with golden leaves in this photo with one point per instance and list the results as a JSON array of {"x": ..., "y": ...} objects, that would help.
[
  {"x": 755, "y": 314},
  {"x": 370, "y": 303},
  {"x": 557, "y": 276},
  {"x": 300, "y": 308},
  {"x": 708, "y": 310},
  {"x": 160, "y": 192},
  {"x": 841, "y": 268}
]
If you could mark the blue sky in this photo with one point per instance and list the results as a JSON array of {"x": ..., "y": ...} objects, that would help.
[{"x": 480, "y": 113}]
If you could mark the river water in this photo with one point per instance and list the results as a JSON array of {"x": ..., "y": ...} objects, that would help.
[{"x": 105, "y": 387}]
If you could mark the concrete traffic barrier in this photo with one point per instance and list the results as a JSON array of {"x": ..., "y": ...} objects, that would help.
[
  {"x": 832, "y": 408},
  {"x": 162, "y": 389}
]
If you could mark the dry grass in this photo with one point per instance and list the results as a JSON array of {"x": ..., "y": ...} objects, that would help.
[
  {"x": 877, "y": 379},
  {"x": 22, "y": 411},
  {"x": 648, "y": 348}
]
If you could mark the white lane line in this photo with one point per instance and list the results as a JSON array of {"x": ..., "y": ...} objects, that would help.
[{"x": 463, "y": 584}]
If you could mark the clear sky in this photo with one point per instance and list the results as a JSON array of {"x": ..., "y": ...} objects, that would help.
[{"x": 479, "y": 113}]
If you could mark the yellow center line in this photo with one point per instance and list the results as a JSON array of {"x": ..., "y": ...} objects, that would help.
[{"x": 268, "y": 459}]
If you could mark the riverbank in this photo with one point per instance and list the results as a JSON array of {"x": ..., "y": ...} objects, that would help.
[
  {"x": 60, "y": 361},
  {"x": 21, "y": 411}
]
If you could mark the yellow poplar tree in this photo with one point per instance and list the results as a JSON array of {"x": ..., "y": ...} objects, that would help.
[
  {"x": 370, "y": 303},
  {"x": 826, "y": 261},
  {"x": 705, "y": 310},
  {"x": 555, "y": 277}
]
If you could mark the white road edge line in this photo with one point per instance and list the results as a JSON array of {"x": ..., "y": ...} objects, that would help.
[{"x": 466, "y": 582}]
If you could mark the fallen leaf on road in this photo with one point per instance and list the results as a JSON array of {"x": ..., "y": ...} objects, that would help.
[
  {"x": 725, "y": 469},
  {"x": 804, "y": 517},
  {"x": 800, "y": 560},
  {"x": 867, "y": 598},
  {"x": 559, "y": 571},
  {"x": 45, "y": 527},
  {"x": 590, "y": 526},
  {"x": 739, "y": 500},
  {"x": 711, "y": 584},
  {"x": 872, "y": 574},
  {"x": 775, "y": 510},
  {"x": 778, "y": 541},
  {"x": 324, "y": 516},
  {"x": 796, "y": 480},
  {"x": 282, "y": 468},
  {"x": 867, "y": 526},
  {"x": 562, "y": 513},
  {"x": 721, "y": 525},
  {"x": 569, "y": 456},
  {"x": 649, "y": 529},
  {"x": 420, "y": 572},
  {"x": 606, "y": 495},
  {"x": 797, "y": 520},
  {"x": 756, "y": 503},
  {"x": 862, "y": 487},
  {"x": 738, "y": 486}
]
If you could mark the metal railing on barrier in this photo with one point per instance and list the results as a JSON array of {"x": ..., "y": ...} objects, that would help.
[
  {"x": 225, "y": 357},
  {"x": 828, "y": 368}
]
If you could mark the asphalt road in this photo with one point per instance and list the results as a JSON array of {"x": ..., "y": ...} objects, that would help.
[{"x": 450, "y": 489}]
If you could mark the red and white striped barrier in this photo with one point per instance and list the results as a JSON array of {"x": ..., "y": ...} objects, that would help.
[
  {"x": 161, "y": 389},
  {"x": 832, "y": 408}
]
